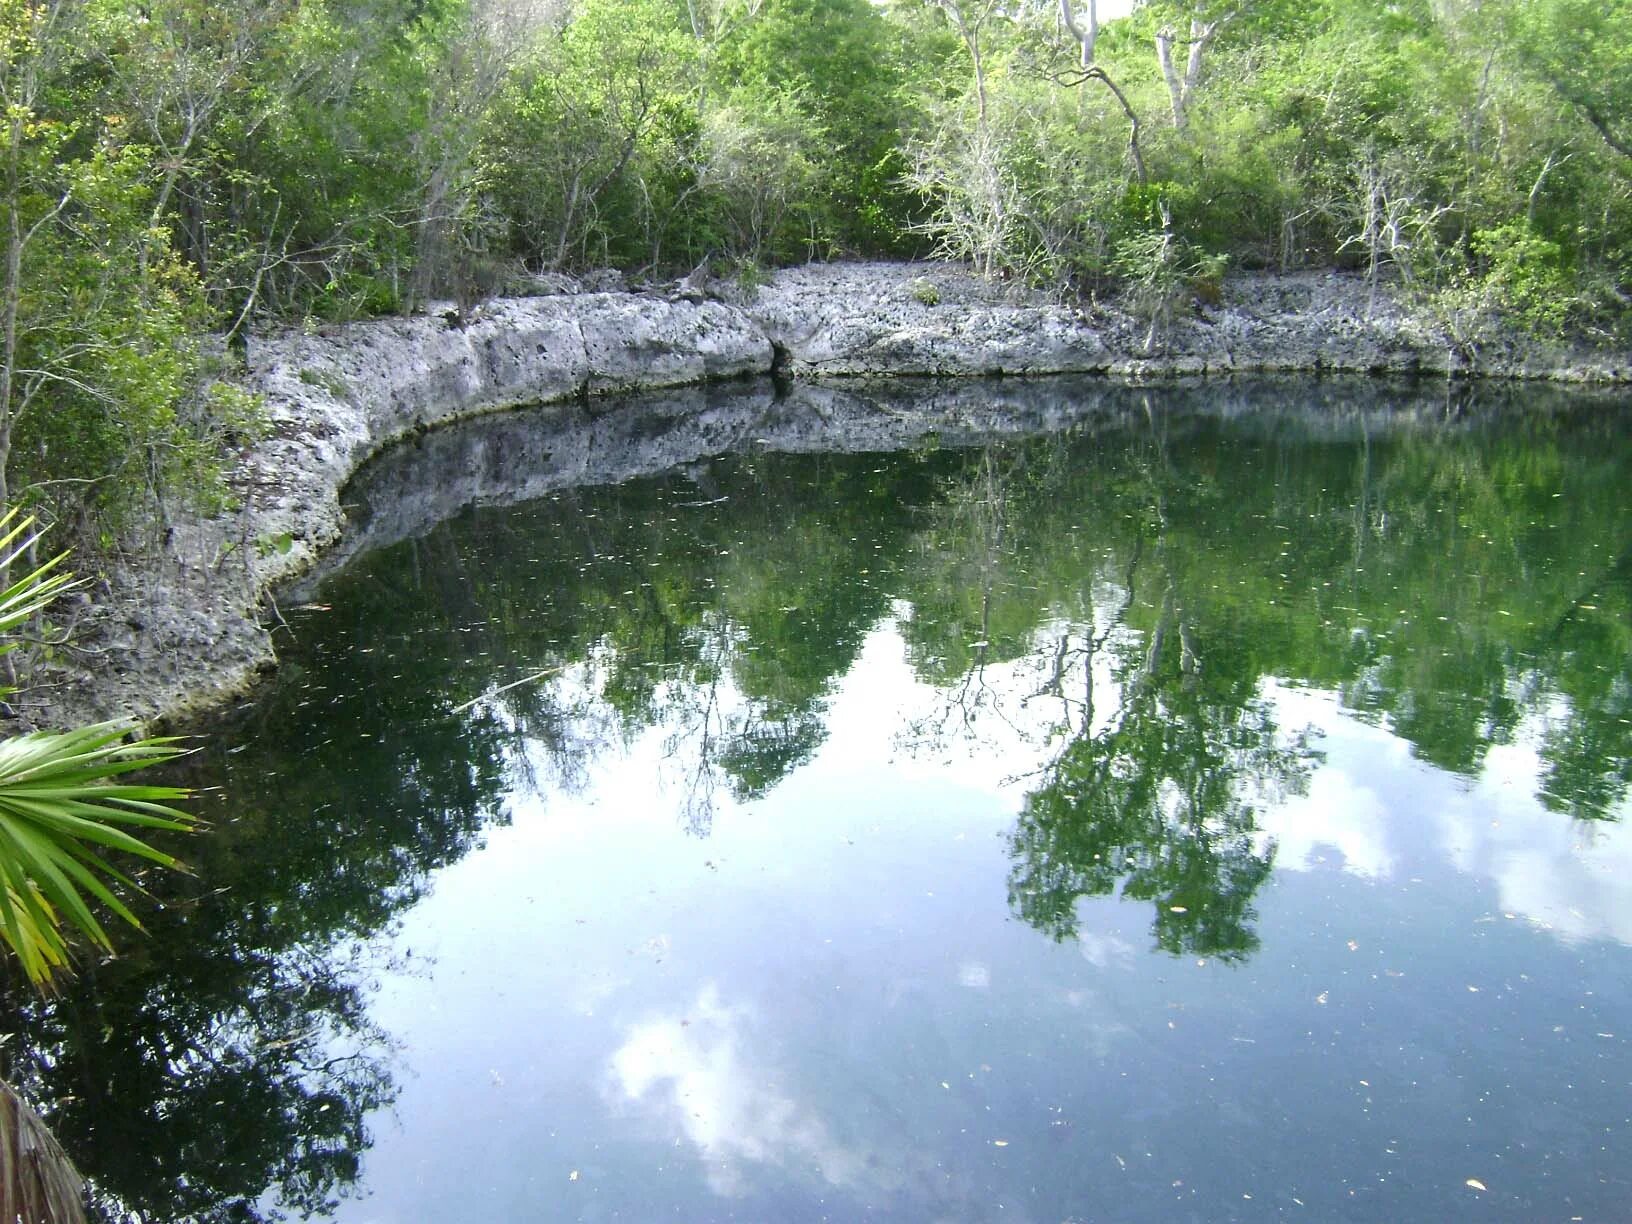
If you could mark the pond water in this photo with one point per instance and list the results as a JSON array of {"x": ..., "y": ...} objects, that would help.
[{"x": 1034, "y": 802}]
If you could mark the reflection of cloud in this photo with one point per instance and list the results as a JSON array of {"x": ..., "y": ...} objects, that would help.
[
  {"x": 1106, "y": 951},
  {"x": 693, "y": 1066},
  {"x": 1574, "y": 879},
  {"x": 1098, "y": 1032},
  {"x": 587, "y": 996},
  {"x": 1339, "y": 813}
]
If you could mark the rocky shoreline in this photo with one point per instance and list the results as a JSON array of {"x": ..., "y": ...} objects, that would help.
[{"x": 171, "y": 635}]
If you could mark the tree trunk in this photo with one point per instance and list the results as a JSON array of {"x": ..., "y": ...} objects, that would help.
[
  {"x": 11, "y": 294},
  {"x": 1180, "y": 90},
  {"x": 38, "y": 1183},
  {"x": 1099, "y": 74},
  {"x": 1086, "y": 35}
]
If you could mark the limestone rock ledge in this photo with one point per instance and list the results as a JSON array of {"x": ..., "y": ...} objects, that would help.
[
  {"x": 178, "y": 630},
  {"x": 179, "y": 626},
  {"x": 335, "y": 398},
  {"x": 938, "y": 319}
]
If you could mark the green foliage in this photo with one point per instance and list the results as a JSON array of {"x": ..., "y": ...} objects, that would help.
[
  {"x": 592, "y": 139},
  {"x": 1383, "y": 137},
  {"x": 108, "y": 404},
  {"x": 286, "y": 181},
  {"x": 1160, "y": 271},
  {"x": 60, "y": 810},
  {"x": 177, "y": 167},
  {"x": 839, "y": 63},
  {"x": 761, "y": 173},
  {"x": 1151, "y": 265},
  {"x": 1526, "y": 276},
  {"x": 1518, "y": 281},
  {"x": 1582, "y": 51}
]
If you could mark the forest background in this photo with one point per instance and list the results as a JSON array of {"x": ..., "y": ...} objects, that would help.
[{"x": 177, "y": 172}]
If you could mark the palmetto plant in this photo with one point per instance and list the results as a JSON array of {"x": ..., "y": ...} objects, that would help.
[
  {"x": 62, "y": 803},
  {"x": 61, "y": 809},
  {"x": 58, "y": 811}
]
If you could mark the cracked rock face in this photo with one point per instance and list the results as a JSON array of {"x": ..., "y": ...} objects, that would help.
[
  {"x": 870, "y": 318},
  {"x": 180, "y": 629}
]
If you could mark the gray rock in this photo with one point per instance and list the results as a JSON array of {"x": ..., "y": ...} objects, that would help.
[
  {"x": 870, "y": 318},
  {"x": 180, "y": 629},
  {"x": 605, "y": 280}
]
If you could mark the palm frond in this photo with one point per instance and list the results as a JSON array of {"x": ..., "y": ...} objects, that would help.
[
  {"x": 24, "y": 597},
  {"x": 60, "y": 804}
]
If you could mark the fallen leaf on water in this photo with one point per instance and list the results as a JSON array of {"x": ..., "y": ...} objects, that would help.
[{"x": 1475, "y": 1183}]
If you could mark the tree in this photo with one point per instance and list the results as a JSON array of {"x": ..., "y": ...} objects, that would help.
[
  {"x": 1203, "y": 28},
  {"x": 563, "y": 151},
  {"x": 103, "y": 399},
  {"x": 761, "y": 170},
  {"x": 1583, "y": 51},
  {"x": 835, "y": 63}
]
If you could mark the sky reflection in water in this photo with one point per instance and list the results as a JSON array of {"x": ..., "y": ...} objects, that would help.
[
  {"x": 1213, "y": 811},
  {"x": 825, "y": 1008}
]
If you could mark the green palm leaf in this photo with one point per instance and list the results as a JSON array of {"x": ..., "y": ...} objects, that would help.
[
  {"x": 29, "y": 594},
  {"x": 59, "y": 797},
  {"x": 63, "y": 801}
]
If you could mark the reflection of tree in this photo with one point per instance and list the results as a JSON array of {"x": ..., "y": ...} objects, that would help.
[
  {"x": 1118, "y": 594},
  {"x": 1588, "y": 751},
  {"x": 1442, "y": 579},
  {"x": 1415, "y": 568},
  {"x": 718, "y": 603},
  {"x": 1151, "y": 799},
  {"x": 1157, "y": 806},
  {"x": 977, "y": 598},
  {"x": 195, "y": 1100},
  {"x": 226, "y": 1060}
]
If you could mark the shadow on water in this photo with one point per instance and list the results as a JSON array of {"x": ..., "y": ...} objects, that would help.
[{"x": 1115, "y": 573}]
